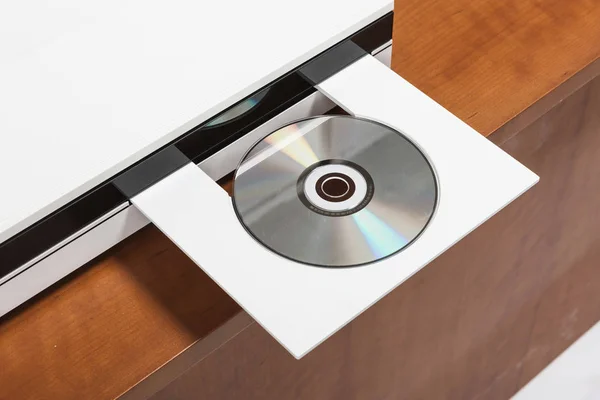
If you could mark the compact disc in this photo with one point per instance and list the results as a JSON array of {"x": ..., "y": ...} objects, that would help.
[
  {"x": 238, "y": 110},
  {"x": 335, "y": 191}
]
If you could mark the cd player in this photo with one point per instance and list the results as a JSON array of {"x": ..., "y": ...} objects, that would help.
[{"x": 447, "y": 180}]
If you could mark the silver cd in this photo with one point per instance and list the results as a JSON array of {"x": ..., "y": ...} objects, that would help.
[
  {"x": 335, "y": 191},
  {"x": 238, "y": 110}
]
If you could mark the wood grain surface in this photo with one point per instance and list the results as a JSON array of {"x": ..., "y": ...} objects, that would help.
[
  {"x": 477, "y": 323},
  {"x": 486, "y": 60},
  {"x": 104, "y": 328}
]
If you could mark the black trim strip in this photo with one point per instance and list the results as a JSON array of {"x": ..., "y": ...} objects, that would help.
[
  {"x": 146, "y": 174},
  {"x": 57, "y": 227},
  {"x": 197, "y": 144},
  {"x": 333, "y": 61}
]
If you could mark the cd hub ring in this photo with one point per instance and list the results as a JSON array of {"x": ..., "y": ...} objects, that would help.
[{"x": 335, "y": 188}]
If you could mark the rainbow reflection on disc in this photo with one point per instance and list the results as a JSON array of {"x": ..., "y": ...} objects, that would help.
[
  {"x": 335, "y": 191},
  {"x": 237, "y": 111}
]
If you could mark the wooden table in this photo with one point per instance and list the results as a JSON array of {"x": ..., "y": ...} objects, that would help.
[{"x": 478, "y": 323}]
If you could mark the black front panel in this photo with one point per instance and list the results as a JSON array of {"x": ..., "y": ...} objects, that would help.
[
  {"x": 57, "y": 227},
  {"x": 332, "y": 62},
  {"x": 196, "y": 145}
]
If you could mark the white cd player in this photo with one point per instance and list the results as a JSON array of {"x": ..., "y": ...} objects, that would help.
[{"x": 166, "y": 167}]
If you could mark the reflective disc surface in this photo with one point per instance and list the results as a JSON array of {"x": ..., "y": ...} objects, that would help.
[{"x": 335, "y": 191}]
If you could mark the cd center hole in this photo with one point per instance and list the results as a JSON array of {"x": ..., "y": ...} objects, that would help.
[{"x": 335, "y": 187}]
